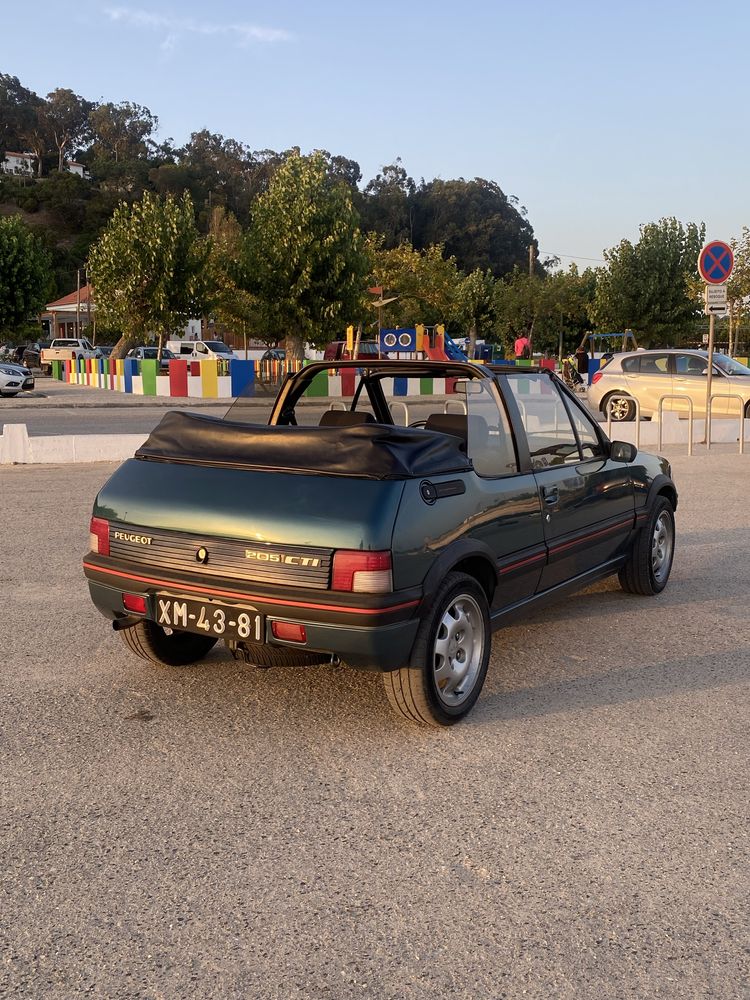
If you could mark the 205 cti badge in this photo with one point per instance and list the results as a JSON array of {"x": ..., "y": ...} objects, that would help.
[{"x": 394, "y": 548}]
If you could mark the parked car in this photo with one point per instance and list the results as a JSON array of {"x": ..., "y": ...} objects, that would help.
[
  {"x": 646, "y": 376},
  {"x": 273, "y": 354},
  {"x": 195, "y": 350},
  {"x": 32, "y": 353},
  {"x": 394, "y": 548},
  {"x": 337, "y": 351},
  {"x": 14, "y": 379},
  {"x": 66, "y": 349},
  {"x": 151, "y": 354},
  {"x": 105, "y": 350}
]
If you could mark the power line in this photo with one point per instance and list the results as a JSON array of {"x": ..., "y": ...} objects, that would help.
[{"x": 573, "y": 256}]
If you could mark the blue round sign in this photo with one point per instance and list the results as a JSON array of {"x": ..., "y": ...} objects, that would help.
[{"x": 715, "y": 262}]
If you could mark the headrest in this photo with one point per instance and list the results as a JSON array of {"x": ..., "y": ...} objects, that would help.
[
  {"x": 345, "y": 418},
  {"x": 449, "y": 423}
]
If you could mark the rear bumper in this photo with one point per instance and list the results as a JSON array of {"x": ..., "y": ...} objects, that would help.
[{"x": 374, "y": 638}]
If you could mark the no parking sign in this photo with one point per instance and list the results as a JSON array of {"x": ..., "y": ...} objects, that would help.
[{"x": 715, "y": 262}]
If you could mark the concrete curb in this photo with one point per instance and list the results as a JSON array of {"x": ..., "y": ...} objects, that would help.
[{"x": 18, "y": 448}]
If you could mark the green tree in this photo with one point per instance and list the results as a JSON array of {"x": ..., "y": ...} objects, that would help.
[
  {"x": 476, "y": 305},
  {"x": 149, "y": 269},
  {"x": 738, "y": 287},
  {"x": 24, "y": 274},
  {"x": 477, "y": 222},
  {"x": 425, "y": 283},
  {"x": 649, "y": 286},
  {"x": 68, "y": 118},
  {"x": 121, "y": 131},
  {"x": 230, "y": 303},
  {"x": 386, "y": 205},
  {"x": 17, "y": 104},
  {"x": 305, "y": 258},
  {"x": 543, "y": 307}
]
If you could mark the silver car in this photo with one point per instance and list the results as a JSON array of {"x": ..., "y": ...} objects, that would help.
[
  {"x": 646, "y": 376},
  {"x": 14, "y": 378}
]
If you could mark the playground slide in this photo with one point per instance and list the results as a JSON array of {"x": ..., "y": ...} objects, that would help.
[
  {"x": 451, "y": 352},
  {"x": 434, "y": 353}
]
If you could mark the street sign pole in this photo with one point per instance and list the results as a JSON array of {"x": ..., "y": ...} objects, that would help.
[
  {"x": 709, "y": 375},
  {"x": 715, "y": 264}
]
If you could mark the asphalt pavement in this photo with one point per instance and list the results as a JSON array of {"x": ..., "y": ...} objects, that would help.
[{"x": 225, "y": 832}]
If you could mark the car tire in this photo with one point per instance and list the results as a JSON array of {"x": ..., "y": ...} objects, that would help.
[
  {"x": 650, "y": 559},
  {"x": 623, "y": 407},
  {"x": 449, "y": 659},
  {"x": 171, "y": 649}
]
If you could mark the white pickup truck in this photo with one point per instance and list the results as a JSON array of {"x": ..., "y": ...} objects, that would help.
[
  {"x": 67, "y": 349},
  {"x": 195, "y": 350}
]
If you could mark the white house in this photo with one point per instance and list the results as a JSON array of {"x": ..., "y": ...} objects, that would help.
[
  {"x": 78, "y": 169},
  {"x": 21, "y": 164}
]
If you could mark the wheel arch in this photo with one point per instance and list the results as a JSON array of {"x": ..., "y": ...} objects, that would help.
[
  {"x": 662, "y": 486},
  {"x": 609, "y": 394},
  {"x": 466, "y": 556}
]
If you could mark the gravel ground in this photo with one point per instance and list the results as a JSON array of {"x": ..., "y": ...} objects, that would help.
[{"x": 223, "y": 832}]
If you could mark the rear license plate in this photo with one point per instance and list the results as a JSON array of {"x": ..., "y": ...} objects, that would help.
[{"x": 210, "y": 618}]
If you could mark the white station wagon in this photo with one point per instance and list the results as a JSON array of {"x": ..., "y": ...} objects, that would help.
[{"x": 649, "y": 375}]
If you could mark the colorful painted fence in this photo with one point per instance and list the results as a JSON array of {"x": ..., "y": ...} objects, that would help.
[
  {"x": 186, "y": 379},
  {"x": 204, "y": 380}
]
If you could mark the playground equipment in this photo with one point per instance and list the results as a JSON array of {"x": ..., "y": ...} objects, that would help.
[
  {"x": 606, "y": 343},
  {"x": 431, "y": 342}
]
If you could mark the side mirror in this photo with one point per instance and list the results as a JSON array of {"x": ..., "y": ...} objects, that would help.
[{"x": 622, "y": 451}]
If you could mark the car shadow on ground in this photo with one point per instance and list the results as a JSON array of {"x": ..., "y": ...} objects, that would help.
[{"x": 644, "y": 682}]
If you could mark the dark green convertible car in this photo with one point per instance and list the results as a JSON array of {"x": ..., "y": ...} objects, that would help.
[{"x": 394, "y": 546}]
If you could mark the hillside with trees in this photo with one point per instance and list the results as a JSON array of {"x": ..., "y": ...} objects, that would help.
[{"x": 283, "y": 245}]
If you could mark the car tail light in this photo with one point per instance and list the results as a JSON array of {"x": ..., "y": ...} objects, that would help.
[
  {"x": 134, "y": 602},
  {"x": 289, "y": 631},
  {"x": 595, "y": 377},
  {"x": 99, "y": 536},
  {"x": 362, "y": 572}
]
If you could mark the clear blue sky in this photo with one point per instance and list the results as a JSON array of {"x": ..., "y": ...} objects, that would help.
[{"x": 597, "y": 115}]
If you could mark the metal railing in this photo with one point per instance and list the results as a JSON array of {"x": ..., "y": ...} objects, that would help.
[
  {"x": 637, "y": 405},
  {"x": 398, "y": 402},
  {"x": 680, "y": 399},
  {"x": 455, "y": 402},
  {"x": 726, "y": 395}
]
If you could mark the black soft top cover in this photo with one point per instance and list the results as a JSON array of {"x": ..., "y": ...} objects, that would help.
[{"x": 366, "y": 451}]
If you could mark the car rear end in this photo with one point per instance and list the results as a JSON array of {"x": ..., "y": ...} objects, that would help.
[
  {"x": 608, "y": 380},
  {"x": 263, "y": 560}
]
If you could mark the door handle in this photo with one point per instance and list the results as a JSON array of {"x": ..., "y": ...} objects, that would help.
[{"x": 550, "y": 495}]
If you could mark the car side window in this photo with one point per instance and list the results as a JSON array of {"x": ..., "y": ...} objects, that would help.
[
  {"x": 631, "y": 365},
  {"x": 201, "y": 348},
  {"x": 549, "y": 431},
  {"x": 690, "y": 365},
  {"x": 490, "y": 440},
  {"x": 654, "y": 364},
  {"x": 591, "y": 446}
]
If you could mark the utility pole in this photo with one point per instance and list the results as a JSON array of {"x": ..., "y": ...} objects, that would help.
[
  {"x": 531, "y": 260},
  {"x": 78, "y": 303}
]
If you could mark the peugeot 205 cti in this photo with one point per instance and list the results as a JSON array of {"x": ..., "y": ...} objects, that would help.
[{"x": 394, "y": 548}]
